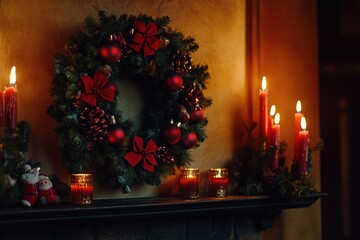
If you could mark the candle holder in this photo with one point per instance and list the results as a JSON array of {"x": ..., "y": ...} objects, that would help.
[
  {"x": 82, "y": 189},
  {"x": 218, "y": 182},
  {"x": 189, "y": 183}
]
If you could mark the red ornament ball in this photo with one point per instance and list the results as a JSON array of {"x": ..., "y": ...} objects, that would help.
[
  {"x": 116, "y": 136},
  {"x": 197, "y": 115},
  {"x": 190, "y": 140},
  {"x": 174, "y": 82},
  {"x": 171, "y": 134},
  {"x": 110, "y": 51}
]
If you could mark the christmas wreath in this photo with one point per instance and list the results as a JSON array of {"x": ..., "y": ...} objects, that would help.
[{"x": 94, "y": 133}]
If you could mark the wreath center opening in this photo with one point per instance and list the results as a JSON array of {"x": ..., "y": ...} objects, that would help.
[{"x": 131, "y": 101}]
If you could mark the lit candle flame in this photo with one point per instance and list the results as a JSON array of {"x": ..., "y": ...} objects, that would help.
[
  {"x": 263, "y": 83},
  {"x": 277, "y": 118},
  {"x": 303, "y": 123},
  {"x": 13, "y": 75},
  {"x": 272, "y": 110},
  {"x": 298, "y": 106}
]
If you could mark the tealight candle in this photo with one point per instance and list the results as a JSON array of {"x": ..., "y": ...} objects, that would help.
[
  {"x": 218, "y": 182},
  {"x": 189, "y": 183},
  {"x": 82, "y": 189}
]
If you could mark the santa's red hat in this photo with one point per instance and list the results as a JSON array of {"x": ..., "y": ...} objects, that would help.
[{"x": 42, "y": 176}]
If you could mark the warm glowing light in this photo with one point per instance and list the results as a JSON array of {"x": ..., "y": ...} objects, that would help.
[
  {"x": 13, "y": 75},
  {"x": 263, "y": 83},
  {"x": 303, "y": 123},
  {"x": 298, "y": 106},
  {"x": 272, "y": 110},
  {"x": 277, "y": 118}
]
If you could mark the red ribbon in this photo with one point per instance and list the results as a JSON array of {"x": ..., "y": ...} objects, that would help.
[
  {"x": 97, "y": 89},
  {"x": 140, "y": 153},
  {"x": 145, "y": 37}
]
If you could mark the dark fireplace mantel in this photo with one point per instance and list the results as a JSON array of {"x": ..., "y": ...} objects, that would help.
[{"x": 139, "y": 216}]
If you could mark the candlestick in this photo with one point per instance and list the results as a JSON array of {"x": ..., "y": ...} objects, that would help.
[
  {"x": 82, "y": 189},
  {"x": 275, "y": 140},
  {"x": 218, "y": 182},
  {"x": 11, "y": 101},
  {"x": 297, "y": 128},
  {"x": 189, "y": 183},
  {"x": 303, "y": 144},
  {"x": 270, "y": 123},
  {"x": 263, "y": 122}
]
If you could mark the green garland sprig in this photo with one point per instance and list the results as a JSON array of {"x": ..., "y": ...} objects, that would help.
[
  {"x": 144, "y": 51},
  {"x": 252, "y": 174}
]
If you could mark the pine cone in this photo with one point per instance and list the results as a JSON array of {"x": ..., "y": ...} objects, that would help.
[
  {"x": 94, "y": 123},
  {"x": 192, "y": 97},
  {"x": 181, "y": 62}
]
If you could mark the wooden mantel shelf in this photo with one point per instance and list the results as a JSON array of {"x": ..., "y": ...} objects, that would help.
[{"x": 144, "y": 208}]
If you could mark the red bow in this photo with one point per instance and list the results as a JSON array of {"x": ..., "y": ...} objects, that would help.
[
  {"x": 145, "y": 37},
  {"x": 139, "y": 153},
  {"x": 99, "y": 89}
]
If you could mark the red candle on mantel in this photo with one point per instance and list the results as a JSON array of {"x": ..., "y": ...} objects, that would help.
[
  {"x": 271, "y": 123},
  {"x": 275, "y": 140},
  {"x": 297, "y": 128},
  {"x": 189, "y": 183},
  {"x": 1, "y": 109},
  {"x": 263, "y": 118},
  {"x": 303, "y": 146},
  {"x": 218, "y": 182},
  {"x": 11, "y": 101},
  {"x": 82, "y": 189}
]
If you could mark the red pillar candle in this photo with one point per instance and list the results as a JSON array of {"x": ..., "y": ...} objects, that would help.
[
  {"x": 303, "y": 146},
  {"x": 189, "y": 183},
  {"x": 297, "y": 129},
  {"x": 82, "y": 189},
  {"x": 218, "y": 182},
  {"x": 271, "y": 123},
  {"x": 275, "y": 140},
  {"x": 11, "y": 101},
  {"x": 1, "y": 109},
  {"x": 263, "y": 122}
]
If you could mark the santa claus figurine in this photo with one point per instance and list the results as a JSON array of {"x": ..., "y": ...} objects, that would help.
[
  {"x": 47, "y": 194},
  {"x": 28, "y": 185}
]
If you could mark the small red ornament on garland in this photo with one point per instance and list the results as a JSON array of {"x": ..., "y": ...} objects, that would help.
[
  {"x": 174, "y": 82},
  {"x": 190, "y": 140},
  {"x": 116, "y": 134},
  {"x": 114, "y": 48},
  {"x": 171, "y": 134},
  {"x": 164, "y": 155},
  {"x": 197, "y": 115},
  {"x": 110, "y": 50}
]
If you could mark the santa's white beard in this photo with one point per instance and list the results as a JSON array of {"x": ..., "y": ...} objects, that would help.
[{"x": 45, "y": 187}]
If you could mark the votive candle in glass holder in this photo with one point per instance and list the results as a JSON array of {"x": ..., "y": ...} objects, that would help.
[
  {"x": 82, "y": 188},
  {"x": 218, "y": 182},
  {"x": 189, "y": 183}
]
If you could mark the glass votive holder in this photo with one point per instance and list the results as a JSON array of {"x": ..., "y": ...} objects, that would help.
[
  {"x": 189, "y": 183},
  {"x": 82, "y": 188},
  {"x": 218, "y": 182}
]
